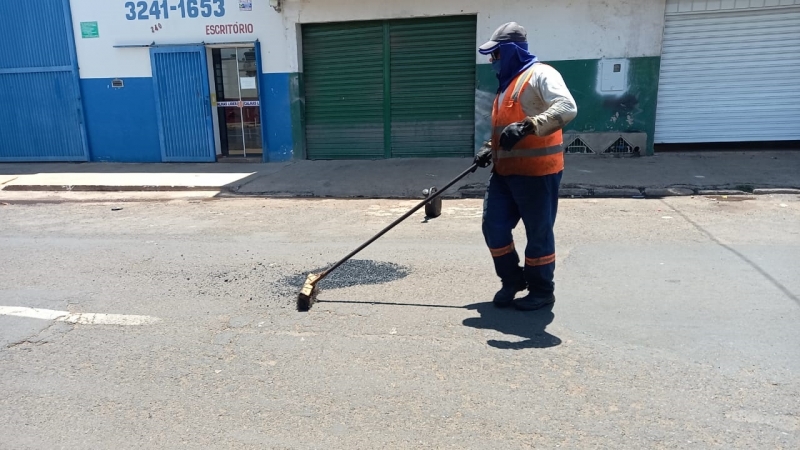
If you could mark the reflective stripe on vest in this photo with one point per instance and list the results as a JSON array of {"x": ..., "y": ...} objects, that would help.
[{"x": 533, "y": 155}]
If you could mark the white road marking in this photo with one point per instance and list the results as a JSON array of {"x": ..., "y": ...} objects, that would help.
[{"x": 79, "y": 318}]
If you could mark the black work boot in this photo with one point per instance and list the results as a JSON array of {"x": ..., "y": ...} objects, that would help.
[
  {"x": 512, "y": 277},
  {"x": 505, "y": 296},
  {"x": 540, "y": 288},
  {"x": 531, "y": 302}
]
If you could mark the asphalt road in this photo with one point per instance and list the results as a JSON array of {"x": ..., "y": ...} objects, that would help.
[{"x": 172, "y": 325}]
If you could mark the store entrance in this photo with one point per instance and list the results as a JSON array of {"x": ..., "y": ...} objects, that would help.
[{"x": 238, "y": 118}]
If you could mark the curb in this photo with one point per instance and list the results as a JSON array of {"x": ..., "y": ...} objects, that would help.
[
  {"x": 641, "y": 193},
  {"x": 477, "y": 190},
  {"x": 98, "y": 188},
  {"x": 471, "y": 191},
  {"x": 777, "y": 191},
  {"x": 7, "y": 181}
]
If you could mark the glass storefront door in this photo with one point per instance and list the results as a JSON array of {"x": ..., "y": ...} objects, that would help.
[{"x": 236, "y": 83}]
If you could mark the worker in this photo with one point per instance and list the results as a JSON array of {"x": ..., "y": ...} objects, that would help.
[{"x": 531, "y": 108}]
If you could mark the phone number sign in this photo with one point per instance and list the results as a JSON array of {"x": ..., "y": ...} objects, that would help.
[{"x": 164, "y": 9}]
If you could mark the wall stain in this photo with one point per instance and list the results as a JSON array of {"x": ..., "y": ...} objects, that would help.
[{"x": 623, "y": 104}]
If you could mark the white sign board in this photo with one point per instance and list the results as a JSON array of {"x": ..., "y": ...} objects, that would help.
[{"x": 247, "y": 82}]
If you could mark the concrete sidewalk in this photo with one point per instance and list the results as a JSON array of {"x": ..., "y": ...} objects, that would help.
[{"x": 689, "y": 173}]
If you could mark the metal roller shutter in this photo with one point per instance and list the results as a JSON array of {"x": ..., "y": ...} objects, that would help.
[
  {"x": 730, "y": 76},
  {"x": 433, "y": 87},
  {"x": 380, "y": 89},
  {"x": 41, "y": 118},
  {"x": 343, "y": 66}
]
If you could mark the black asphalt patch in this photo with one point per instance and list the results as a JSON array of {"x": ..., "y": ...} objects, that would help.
[{"x": 351, "y": 273}]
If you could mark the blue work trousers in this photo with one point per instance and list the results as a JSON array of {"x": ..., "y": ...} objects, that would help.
[{"x": 534, "y": 200}]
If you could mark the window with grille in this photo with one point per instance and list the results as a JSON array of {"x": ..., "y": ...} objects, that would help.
[
  {"x": 578, "y": 146},
  {"x": 619, "y": 146}
]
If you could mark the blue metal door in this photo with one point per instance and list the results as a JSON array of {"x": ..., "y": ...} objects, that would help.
[
  {"x": 41, "y": 118},
  {"x": 183, "y": 103}
]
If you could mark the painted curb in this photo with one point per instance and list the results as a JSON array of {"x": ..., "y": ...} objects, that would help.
[
  {"x": 471, "y": 191},
  {"x": 777, "y": 191},
  {"x": 668, "y": 192},
  {"x": 104, "y": 188}
]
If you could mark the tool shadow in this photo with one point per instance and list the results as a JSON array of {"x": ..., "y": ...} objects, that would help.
[{"x": 528, "y": 325}]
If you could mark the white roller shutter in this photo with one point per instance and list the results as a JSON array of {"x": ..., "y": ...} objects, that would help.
[{"x": 730, "y": 76}]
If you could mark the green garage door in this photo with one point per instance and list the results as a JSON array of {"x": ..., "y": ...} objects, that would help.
[{"x": 382, "y": 89}]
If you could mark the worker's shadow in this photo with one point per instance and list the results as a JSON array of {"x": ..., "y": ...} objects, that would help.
[{"x": 528, "y": 325}]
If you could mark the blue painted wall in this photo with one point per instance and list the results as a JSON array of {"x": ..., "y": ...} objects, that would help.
[
  {"x": 121, "y": 122},
  {"x": 277, "y": 99}
]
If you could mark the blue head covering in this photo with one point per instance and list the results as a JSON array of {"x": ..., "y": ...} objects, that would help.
[{"x": 514, "y": 59}]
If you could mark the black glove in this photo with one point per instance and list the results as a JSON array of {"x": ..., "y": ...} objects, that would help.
[
  {"x": 484, "y": 157},
  {"x": 515, "y": 133}
]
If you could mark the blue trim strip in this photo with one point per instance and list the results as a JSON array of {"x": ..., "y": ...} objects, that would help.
[
  {"x": 262, "y": 105},
  {"x": 212, "y": 142},
  {"x": 76, "y": 75},
  {"x": 188, "y": 48},
  {"x": 37, "y": 69},
  {"x": 28, "y": 159},
  {"x": 153, "y": 44},
  {"x": 159, "y": 118}
]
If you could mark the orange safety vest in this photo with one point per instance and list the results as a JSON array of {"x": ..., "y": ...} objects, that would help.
[{"x": 533, "y": 155}]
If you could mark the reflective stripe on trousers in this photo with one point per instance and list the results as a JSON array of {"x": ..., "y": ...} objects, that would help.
[{"x": 534, "y": 200}]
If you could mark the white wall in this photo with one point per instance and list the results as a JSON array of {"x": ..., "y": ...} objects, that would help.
[
  {"x": 98, "y": 58},
  {"x": 558, "y": 30}
]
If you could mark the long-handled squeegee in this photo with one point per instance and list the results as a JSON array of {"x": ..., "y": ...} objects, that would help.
[{"x": 308, "y": 294}]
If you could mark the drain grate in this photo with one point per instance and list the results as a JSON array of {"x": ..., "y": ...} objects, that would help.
[
  {"x": 578, "y": 147},
  {"x": 620, "y": 146}
]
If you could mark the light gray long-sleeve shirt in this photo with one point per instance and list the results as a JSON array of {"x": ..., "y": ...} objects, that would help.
[{"x": 549, "y": 103}]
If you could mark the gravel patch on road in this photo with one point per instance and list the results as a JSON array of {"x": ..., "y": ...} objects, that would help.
[{"x": 351, "y": 273}]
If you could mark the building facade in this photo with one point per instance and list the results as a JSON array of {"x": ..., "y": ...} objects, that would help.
[{"x": 276, "y": 80}]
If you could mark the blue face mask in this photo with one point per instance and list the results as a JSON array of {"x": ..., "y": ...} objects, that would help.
[
  {"x": 514, "y": 58},
  {"x": 497, "y": 66}
]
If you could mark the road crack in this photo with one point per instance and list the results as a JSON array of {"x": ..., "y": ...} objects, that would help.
[{"x": 41, "y": 338}]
